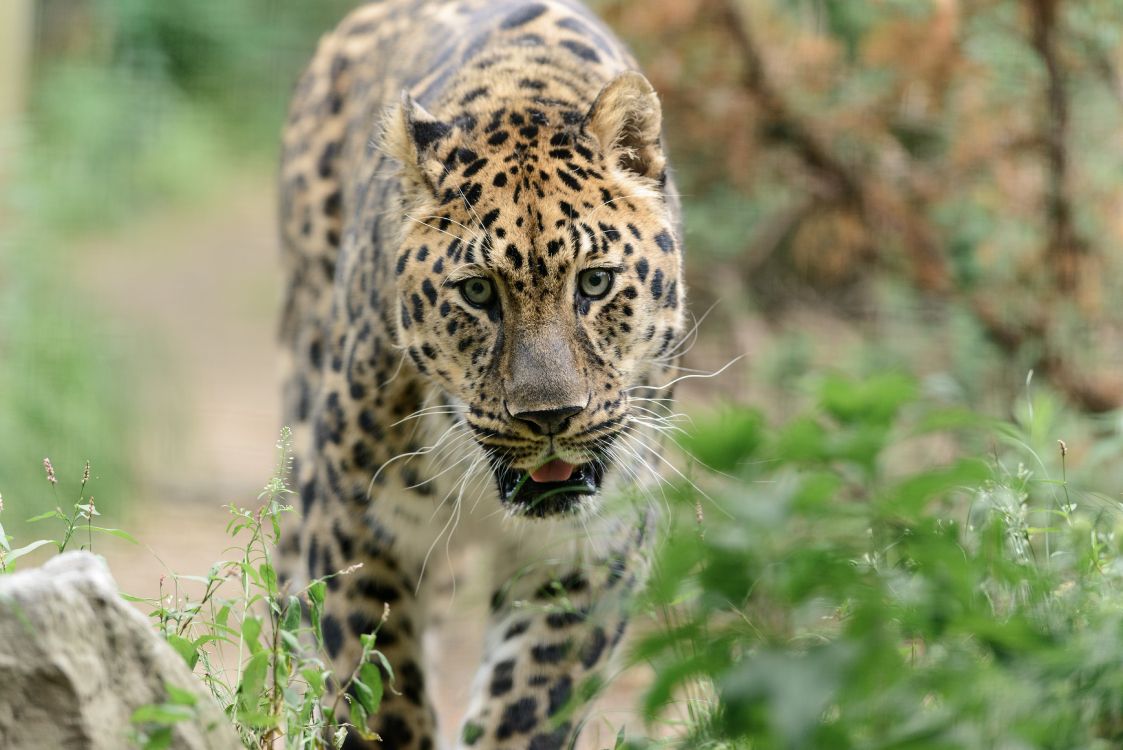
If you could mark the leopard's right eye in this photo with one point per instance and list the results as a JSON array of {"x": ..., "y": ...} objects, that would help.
[{"x": 479, "y": 292}]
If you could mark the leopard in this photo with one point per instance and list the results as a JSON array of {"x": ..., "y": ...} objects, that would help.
[{"x": 483, "y": 304}]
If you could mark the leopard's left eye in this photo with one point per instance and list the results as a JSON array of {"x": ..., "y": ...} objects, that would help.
[{"x": 594, "y": 283}]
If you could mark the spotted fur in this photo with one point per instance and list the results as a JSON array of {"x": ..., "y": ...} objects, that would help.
[{"x": 429, "y": 144}]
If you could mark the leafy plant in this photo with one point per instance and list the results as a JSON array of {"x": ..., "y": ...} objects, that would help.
[
  {"x": 845, "y": 599},
  {"x": 81, "y": 518},
  {"x": 282, "y": 688}
]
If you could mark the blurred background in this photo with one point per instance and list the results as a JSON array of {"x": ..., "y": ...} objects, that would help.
[{"x": 928, "y": 186}]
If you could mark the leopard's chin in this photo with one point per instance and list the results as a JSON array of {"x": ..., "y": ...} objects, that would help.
[{"x": 525, "y": 496}]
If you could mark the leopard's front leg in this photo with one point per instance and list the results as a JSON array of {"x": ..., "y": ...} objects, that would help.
[
  {"x": 553, "y": 630},
  {"x": 378, "y": 582}
]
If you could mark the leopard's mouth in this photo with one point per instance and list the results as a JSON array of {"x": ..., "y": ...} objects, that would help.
[{"x": 555, "y": 488}]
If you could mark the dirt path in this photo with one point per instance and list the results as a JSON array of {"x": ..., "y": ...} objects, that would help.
[{"x": 199, "y": 288}]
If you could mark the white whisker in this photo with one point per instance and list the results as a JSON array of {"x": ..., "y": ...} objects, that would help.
[
  {"x": 713, "y": 374},
  {"x": 419, "y": 452},
  {"x": 429, "y": 411},
  {"x": 435, "y": 229},
  {"x": 677, "y": 350}
]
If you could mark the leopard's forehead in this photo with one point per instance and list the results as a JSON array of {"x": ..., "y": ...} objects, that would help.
[{"x": 528, "y": 194}]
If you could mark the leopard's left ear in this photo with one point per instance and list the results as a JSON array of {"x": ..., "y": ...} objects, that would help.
[
  {"x": 627, "y": 121},
  {"x": 411, "y": 135}
]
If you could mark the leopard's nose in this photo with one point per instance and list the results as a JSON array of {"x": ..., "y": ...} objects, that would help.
[{"x": 546, "y": 421}]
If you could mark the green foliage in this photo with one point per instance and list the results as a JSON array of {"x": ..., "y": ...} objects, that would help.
[
  {"x": 159, "y": 103},
  {"x": 164, "y": 102},
  {"x": 64, "y": 389},
  {"x": 78, "y": 523},
  {"x": 283, "y": 686},
  {"x": 834, "y": 597},
  {"x": 826, "y": 149},
  {"x": 283, "y": 689},
  {"x": 821, "y": 591}
]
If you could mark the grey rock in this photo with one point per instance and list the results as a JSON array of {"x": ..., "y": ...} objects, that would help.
[{"x": 76, "y": 661}]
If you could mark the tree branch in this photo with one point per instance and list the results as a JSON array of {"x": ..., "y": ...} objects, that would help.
[
  {"x": 881, "y": 204},
  {"x": 878, "y": 205},
  {"x": 807, "y": 144},
  {"x": 1065, "y": 249}
]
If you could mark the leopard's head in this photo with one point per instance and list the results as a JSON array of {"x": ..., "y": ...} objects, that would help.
[{"x": 539, "y": 278}]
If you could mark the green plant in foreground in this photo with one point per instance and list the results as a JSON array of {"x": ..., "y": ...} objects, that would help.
[
  {"x": 80, "y": 519},
  {"x": 854, "y": 578},
  {"x": 280, "y": 688},
  {"x": 256, "y": 646},
  {"x": 838, "y": 596}
]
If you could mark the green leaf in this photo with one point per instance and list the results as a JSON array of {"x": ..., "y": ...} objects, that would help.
[
  {"x": 45, "y": 516},
  {"x": 162, "y": 713},
  {"x": 222, "y": 617},
  {"x": 316, "y": 591},
  {"x": 251, "y": 631},
  {"x": 783, "y": 694},
  {"x": 471, "y": 733},
  {"x": 252, "y": 686},
  {"x": 117, "y": 533},
  {"x": 257, "y": 719},
  {"x": 11, "y": 557},
  {"x": 910, "y": 496},
  {"x": 185, "y": 648},
  {"x": 359, "y": 716},
  {"x": 315, "y": 679},
  {"x": 385, "y": 664},
  {"x": 874, "y": 400},
  {"x": 210, "y": 638},
  {"x": 158, "y": 739},
  {"x": 268, "y": 577},
  {"x": 369, "y": 683},
  {"x": 180, "y": 696},
  {"x": 291, "y": 641},
  {"x": 725, "y": 441},
  {"x": 291, "y": 620},
  {"x": 249, "y": 571},
  {"x": 802, "y": 440},
  {"x": 316, "y": 608}
]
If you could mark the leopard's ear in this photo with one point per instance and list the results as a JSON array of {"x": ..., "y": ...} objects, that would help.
[
  {"x": 411, "y": 135},
  {"x": 627, "y": 121}
]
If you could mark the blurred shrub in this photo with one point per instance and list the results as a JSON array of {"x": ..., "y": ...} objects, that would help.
[
  {"x": 134, "y": 104},
  {"x": 831, "y": 594},
  {"x": 967, "y": 151},
  {"x": 137, "y": 103},
  {"x": 65, "y": 385}
]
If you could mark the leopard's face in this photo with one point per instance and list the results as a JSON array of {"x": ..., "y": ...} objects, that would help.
[{"x": 539, "y": 282}]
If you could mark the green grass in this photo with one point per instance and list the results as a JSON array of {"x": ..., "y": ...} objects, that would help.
[{"x": 64, "y": 381}]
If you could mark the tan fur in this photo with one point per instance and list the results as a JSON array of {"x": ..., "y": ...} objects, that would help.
[
  {"x": 509, "y": 141},
  {"x": 628, "y": 122}
]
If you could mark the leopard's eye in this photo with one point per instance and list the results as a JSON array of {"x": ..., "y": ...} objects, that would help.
[
  {"x": 594, "y": 283},
  {"x": 478, "y": 291}
]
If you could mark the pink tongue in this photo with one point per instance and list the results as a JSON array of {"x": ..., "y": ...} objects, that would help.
[{"x": 554, "y": 471}]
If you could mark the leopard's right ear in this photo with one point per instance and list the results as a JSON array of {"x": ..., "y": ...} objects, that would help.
[{"x": 411, "y": 135}]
